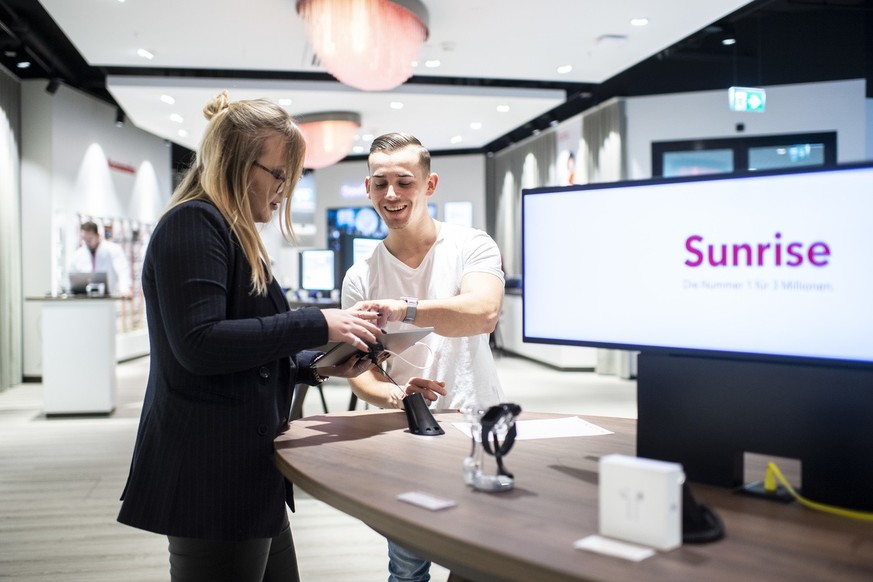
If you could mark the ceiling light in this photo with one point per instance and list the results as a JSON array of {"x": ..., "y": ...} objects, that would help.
[
  {"x": 503, "y": 108},
  {"x": 285, "y": 102},
  {"x": 167, "y": 99},
  {"x": 329, "y": 136},
  {"x": 396, "y": 105},
  {"x": 432, "y": 63},
  {"x": 176, "y": 117},
  {"x": 367, "y": 44},
  {"x": 457, "y": 139},
  {"x": 182, "y": 133},
  {"x": 728, "y": 41},
  {"x": 639, "y": 21},
  {"x": 611, "y": 40},
  {"x": 23, "y": 64},
  {"x": 145, "y": 54},
  {"x": 564, "y": 69},
  {"x": 53, "y": 86},
  {"x": 119, "y": 117},
  {"x": 475, "y": 125}
]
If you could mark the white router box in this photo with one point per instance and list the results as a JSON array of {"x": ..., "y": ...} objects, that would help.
[{"x": 641, "y": 501}]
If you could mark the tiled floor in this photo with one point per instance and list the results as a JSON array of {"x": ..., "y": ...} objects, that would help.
[{"x": 60, "y": 479}]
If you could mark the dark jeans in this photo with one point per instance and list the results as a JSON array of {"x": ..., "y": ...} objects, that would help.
[{"x": 257, "y": 560}]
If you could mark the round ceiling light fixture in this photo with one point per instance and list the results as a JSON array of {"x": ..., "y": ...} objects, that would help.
[
  {"x": 329, "y": 136},
  {"x": 367, "y": 44}
]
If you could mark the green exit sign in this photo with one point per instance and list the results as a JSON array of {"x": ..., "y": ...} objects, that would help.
[{"x": 747, "y": 99}]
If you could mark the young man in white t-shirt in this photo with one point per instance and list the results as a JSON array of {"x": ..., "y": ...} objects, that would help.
[{"x": 425, "y": 273}]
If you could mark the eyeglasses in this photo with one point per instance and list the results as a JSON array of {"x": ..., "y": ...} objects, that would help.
[{"x": 280, "y": 176}]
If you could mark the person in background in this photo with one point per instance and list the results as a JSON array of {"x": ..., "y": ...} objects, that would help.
[
  {"x": 97, "y": 254},
  {"x": 226, "y": 352},
  {"x": 425, "y": 273}
]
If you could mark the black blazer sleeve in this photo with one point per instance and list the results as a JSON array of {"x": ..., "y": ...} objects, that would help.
[{"x": 203, "y": 293}]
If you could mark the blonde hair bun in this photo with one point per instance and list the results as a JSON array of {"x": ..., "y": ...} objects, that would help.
[{"x": 219, "y": 104}]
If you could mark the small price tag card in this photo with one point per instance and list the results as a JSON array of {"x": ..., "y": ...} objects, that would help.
[{"x": 426, "y": 500}]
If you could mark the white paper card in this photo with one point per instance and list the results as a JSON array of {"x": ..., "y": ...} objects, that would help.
[
  {"x": 571, "y": 426},
  {"x": 615, "y": 548},
  {"x": 426, "y": 500}
]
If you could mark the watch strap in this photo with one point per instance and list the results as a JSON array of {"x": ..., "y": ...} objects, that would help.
[{"x": 411, "y": 308}]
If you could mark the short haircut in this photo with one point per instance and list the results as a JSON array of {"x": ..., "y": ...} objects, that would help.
[
  {"x": 391, "y": 142},
  {"x": 90, "y": 226}
]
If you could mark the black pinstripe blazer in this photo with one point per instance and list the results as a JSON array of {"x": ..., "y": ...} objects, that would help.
[{"x": 223, "y": 366}]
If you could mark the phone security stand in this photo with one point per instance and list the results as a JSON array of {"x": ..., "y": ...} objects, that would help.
[{"x": 419, "y": 417}]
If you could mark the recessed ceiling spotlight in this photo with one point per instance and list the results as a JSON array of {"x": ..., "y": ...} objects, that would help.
[
  {"x": 475, "y": 125},
  {"x": 285, "y": 102},
  {"x": 367, "y": 137},
  {"x": 358, "y": 149},
  {"x": 728, "y": 41},
  {"x": 182, "y": 133},
  {"x": 167, "y": 99},
  {"x": 432, "y": 63},
  {"x": 396, "y": 105},
  {"x": 457, "y": 139},
  {"x": 639, "y": 21},
  {"x": 145, "y": 54},
  {"x": 23, "y": 64},
  {"x": 414, "y": 64},
  {"x": 176, "y": 117},
  {"x": 564, "y": 69},
  {"x": 503, "y": 108}
]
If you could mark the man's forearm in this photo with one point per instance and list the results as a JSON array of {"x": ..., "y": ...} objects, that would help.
[{"x": 379, "y": 393}]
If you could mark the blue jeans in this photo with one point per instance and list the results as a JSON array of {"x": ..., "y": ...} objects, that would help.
[{"x": 404, "y": 566}]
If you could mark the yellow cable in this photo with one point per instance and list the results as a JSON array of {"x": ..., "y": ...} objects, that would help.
[{"x": 774, "y": 472}]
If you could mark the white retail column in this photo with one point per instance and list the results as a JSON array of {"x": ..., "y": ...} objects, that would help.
[{"x": 78, "y": 355}]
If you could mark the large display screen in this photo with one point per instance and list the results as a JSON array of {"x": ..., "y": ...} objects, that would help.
[{"x": 769, "y": 264}]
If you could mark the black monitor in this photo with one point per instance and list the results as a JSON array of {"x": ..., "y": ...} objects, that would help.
[
  {"x": 317, "y": 270},
  {"x": 748, "y": 297}
]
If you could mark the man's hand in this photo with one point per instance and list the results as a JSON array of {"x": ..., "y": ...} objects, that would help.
[
  {"x": 430, "y": 389},
  {"x": 385, "y": 309}
]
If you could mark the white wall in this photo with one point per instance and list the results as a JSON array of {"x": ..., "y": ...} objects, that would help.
[
  {"x": 68, "y": 142},
  {"x": 833, "y": 106}
]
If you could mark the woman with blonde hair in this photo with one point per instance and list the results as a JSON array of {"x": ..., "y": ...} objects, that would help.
[{"x": 226, "y": 352}]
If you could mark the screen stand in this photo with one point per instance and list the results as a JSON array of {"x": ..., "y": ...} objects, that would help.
[{"x": 706, "y": 413}]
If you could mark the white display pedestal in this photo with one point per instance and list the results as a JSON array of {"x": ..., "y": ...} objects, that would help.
[{"x": 78, "y": 355}]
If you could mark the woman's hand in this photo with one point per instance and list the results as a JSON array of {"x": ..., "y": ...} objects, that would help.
[
  {"x": 354, "y": 366},
  {"x": 352, "y": 326}
]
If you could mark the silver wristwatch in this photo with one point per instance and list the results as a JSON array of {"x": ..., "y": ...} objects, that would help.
[{"x": 411, "y": 307}]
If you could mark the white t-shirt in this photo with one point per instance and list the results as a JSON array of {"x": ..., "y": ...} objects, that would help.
[
  {"x": 110, "y": 259},
  {"x": 465, "y": 364}
]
